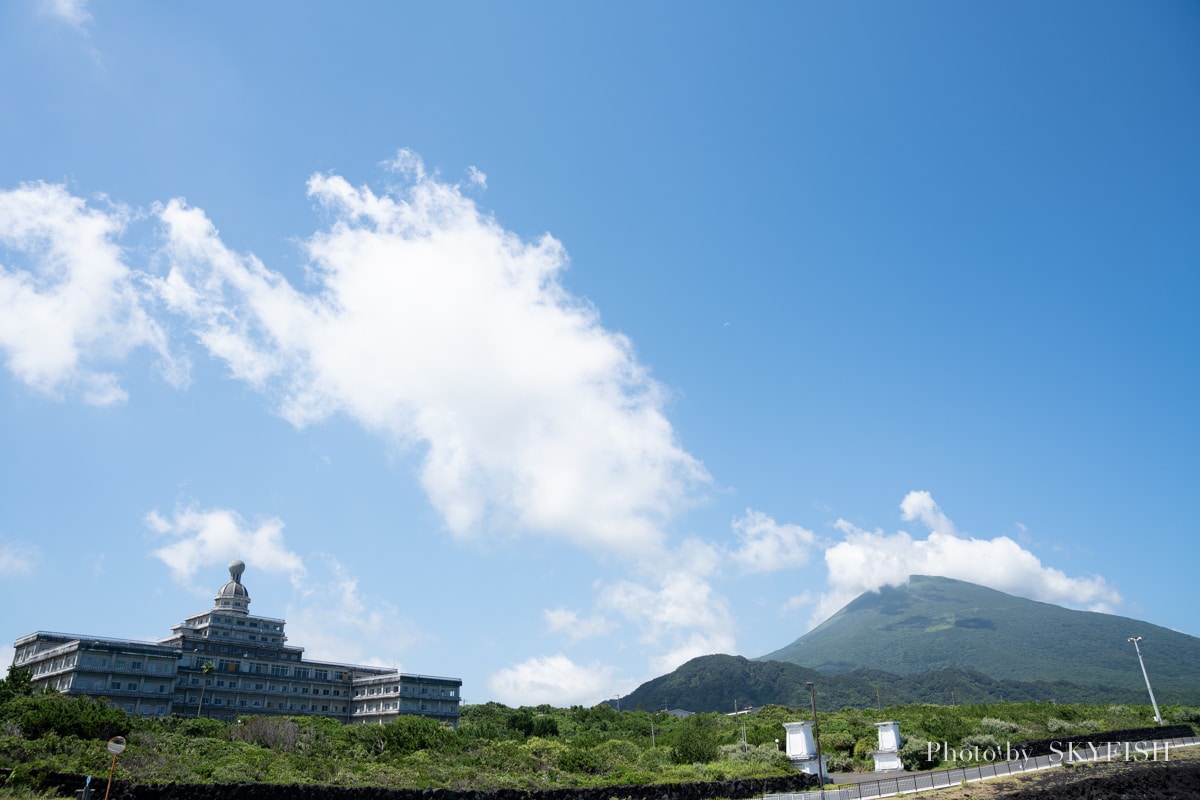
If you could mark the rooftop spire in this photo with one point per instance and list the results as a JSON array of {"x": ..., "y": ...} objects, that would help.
[{"x": 233, "y": 596}]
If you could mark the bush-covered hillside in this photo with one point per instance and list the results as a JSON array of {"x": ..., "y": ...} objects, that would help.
[{"x": 495, "y": 746}]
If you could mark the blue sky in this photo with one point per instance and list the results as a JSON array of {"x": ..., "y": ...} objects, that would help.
[{"x": 548, "y": 345}]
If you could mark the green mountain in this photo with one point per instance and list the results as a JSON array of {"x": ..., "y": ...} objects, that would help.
[
  {"x": 937, "y": 640},
  {"x": 726, "y": 683},
  {"x": 934, "y": 623}
]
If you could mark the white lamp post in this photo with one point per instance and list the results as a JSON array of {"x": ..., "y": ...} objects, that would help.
[{"x": 1135, "y": 640}]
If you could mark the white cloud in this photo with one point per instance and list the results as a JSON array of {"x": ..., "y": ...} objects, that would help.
[
  {"x": 434, "y": 326},
  {"x": 866, "y": 561},
  {"x": 767, "y": 546},
  {"x": 555, "y": 680},
  {"x": 17, "y": 558},
  {"x": 201, "y": 539},
  {"x": 73, "y": 12},
  {"x": 75, "y": 302},
  {"x": 920, "y": 505},
  {"x": 574, "y": 627}
]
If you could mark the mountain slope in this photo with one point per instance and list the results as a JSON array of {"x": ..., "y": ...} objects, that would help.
[
  {"x": 935, "y": 623},
  {"x": 725, "y": 683}
]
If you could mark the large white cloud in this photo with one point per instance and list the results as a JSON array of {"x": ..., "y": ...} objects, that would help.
[
  {"x": 71, "y": 302},
  {"x": 555, "y": 680},
  {"x": 866, "y": 561},
  {"x": 431, "y": 324}
]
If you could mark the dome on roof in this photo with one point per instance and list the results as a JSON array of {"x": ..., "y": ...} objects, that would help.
[{"x": 233, "y": 596}]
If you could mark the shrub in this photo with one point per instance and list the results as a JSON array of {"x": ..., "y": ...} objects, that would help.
[
  {"x": 839, "y": 762},
  {"x": 1182, "y": 714},
  {"x": 981, "y": 740},
  {"x": 837, "y": 740},
  {"x": 581, "y": 759},
  {"x": 273, "y": 733},
  {"x": 997, "y": 727},
  {"x": 696, "y": 740},
  {"x": 915, "y": 755},
  {"x": 83, "y": 717}
]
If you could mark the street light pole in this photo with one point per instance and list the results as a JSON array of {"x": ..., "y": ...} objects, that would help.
[
  {"x": 812, "y": 696},
  {"x": 1135, "y": 640}
]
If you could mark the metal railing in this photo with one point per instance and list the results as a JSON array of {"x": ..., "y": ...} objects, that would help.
[{"x": 943, "y": 779}]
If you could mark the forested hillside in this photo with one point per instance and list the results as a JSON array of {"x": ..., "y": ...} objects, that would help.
[{"x": 721, "y": 682}]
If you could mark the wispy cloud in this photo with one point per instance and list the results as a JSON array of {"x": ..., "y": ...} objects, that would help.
[
  {"x": 72, "y": 12},
  {"x": 767, "y": 546},
  {"x": 576, "y": 628},
  {"x": 477, "y": 177},
  {"x": 17, "y": 558},
  {"x": 336, "y": 621}
]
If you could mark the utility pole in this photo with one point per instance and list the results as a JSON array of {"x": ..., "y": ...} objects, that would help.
[
  {"x": 812, "y": 696},
  {"x": 1135, "y": 640}
]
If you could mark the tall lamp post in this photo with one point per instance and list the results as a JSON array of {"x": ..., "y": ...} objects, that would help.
[
  {"x": 1135, "y": 640},
  {"x": 812, "y": 697}
]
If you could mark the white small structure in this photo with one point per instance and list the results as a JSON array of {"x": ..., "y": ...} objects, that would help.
[
  {"x": 802, "y": 749},
  {"x": 887, "y": 757}
]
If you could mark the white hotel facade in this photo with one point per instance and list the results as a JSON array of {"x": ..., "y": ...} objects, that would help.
[{"x": 254, "y": 671}]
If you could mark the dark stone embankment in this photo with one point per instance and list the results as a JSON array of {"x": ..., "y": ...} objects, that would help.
[{"x": 66, "y": 785}]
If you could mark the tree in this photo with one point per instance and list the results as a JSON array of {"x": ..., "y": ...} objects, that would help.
[
  {"x": 19, "y": 683},
  {"x": 696, "y": 740},
  {"x": 206, "y": 669}
]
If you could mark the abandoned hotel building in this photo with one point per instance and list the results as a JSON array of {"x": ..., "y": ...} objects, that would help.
[{"x": 225, "y": 663}]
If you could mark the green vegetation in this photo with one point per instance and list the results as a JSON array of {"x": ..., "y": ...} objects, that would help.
[
  {"x": 715, "y": 683},
  {"x": 495, "y": 746}
]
